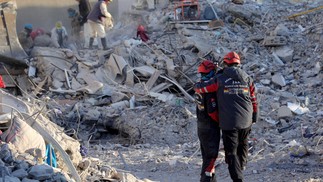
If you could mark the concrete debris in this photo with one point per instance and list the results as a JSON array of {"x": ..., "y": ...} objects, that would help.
[
  {"x": 285, "y": 53},
  {"x": 284, "y": 112},
  {"x": 275, "y": 41},
  {"x": 278, "y": 79},
  {"x": 297, "y": 109},
  {"x": 132, "y": 107}
]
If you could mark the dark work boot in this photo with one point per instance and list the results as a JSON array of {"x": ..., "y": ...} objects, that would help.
[
  {"x": 104, "y": 44},
  {"x": 91, "y": 43}
]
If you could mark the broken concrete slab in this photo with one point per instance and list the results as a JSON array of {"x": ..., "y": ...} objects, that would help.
[
  {"x": 275, "y": 41},
  {"x": 278, "y": 79},
  {"x": 283, "y": 112},
  {"x": 285, "y": 53},
  {"x": 41, "y": 172},
  {"x": 281, "y": 30},
  {"x": 297, "y": 109}
]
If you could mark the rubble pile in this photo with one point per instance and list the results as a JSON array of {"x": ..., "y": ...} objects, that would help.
[
  {"x": 24, "y": 167},
  {"x": 134, "y": 103}
]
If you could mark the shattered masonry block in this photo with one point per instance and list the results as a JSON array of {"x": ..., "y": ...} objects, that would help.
[
  {"x": 283, "y": 112},
  {"x": 278, "y": 79},
  {"x": 275, "y": 41},
  {"x": 41, "y": 172},
  {"x": 20, "y": 173},
  {"x": 285, "y": 53},
  {"x": 281, "y": 30}
]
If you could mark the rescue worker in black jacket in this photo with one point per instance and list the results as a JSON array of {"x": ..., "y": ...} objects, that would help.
[
  {"x": 238, "y": 109},
  {"x": 207, "y": 124},
  {"x": 84, "y": 9}
]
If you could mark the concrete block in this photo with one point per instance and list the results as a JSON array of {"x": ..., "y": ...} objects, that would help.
[
  {"x": 10, "y": 179},
  {"x": 281, "y": 30},
  {"x": 278, "y": 79},
  {"x": 41, "y": 172},
  {"x": 275, "y": 41},
  {"x": 20, "y": 173},
  {"x": 285, "y": 53},
  {"x": 284, "y": 111}
]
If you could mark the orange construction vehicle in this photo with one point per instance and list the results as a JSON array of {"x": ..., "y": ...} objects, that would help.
[{"x": 187, "y": 10}]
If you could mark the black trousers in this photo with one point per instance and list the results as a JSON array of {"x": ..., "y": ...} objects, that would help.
[
  {"x": 236, "y": 151},
  {"x": 209, "y": 136}
]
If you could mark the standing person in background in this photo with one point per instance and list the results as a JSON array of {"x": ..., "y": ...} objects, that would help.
[
  {"x": 96, "y": 19},
  {"x": 208, "y": 124},
  {"x": 142, "y": 34},
  {"x": 238, "y": 109},
  {"x": 2, "y": 84},
  {"x": 25, "y": 39},
  {"x": 59, "y": 35},
  {"x": 84, "y": 10},
  {"x": 76, "y": 27}
]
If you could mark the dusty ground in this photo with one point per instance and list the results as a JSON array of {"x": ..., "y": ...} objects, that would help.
[{"x": 158, "y": 161}]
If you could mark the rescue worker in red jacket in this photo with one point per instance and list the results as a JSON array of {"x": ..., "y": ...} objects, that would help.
[
  {"x": 207, "y": 124},
  {"x": 238, "y": 109}
]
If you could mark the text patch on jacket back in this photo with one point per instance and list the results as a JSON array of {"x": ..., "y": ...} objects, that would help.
[{"x": 235, "y": 87}]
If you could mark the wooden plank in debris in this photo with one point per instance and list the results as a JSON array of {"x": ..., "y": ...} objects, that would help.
[
  {"x": 152, "y": 79},
  {"x": 305, "y": 12},
  {"x": 191, "y": 21},
  {"x": 215, "y": 24}
]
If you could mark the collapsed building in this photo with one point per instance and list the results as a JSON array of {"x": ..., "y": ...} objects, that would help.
[{"x": 77, "y": 99}]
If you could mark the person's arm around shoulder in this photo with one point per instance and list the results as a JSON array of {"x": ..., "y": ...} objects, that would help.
[
  {"x": 206, "y": 86},
  {"x": 253, "y": 97}
]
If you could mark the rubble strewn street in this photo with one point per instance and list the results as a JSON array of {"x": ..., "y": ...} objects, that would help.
[{"x": 128, "y": 113}]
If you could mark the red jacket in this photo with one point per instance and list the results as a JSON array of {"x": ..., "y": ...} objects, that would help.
[{"x": 143, "y": 36}]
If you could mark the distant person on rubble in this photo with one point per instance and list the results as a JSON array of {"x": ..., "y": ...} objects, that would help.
[
  {"x": 142, "y": 34},
  {"x": 238, "y": 109},
  {"x": 207, "y": 123},
  {"x": 41, "y": 38},
  {"x": 97, "y": 18},
  {"x": 2, "y": 83},
  {"x": 59, "y": 35},
  {"x": 37, "y": 32},
  {"x": 25, "y": 39},
  {"x": 84, "y": 10},
  {"x": 75, "y": 24}
]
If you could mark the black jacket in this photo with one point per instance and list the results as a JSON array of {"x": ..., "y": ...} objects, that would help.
[
  {"x": 235, "y": 97},
  {"x": 84, "y": 9}
]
